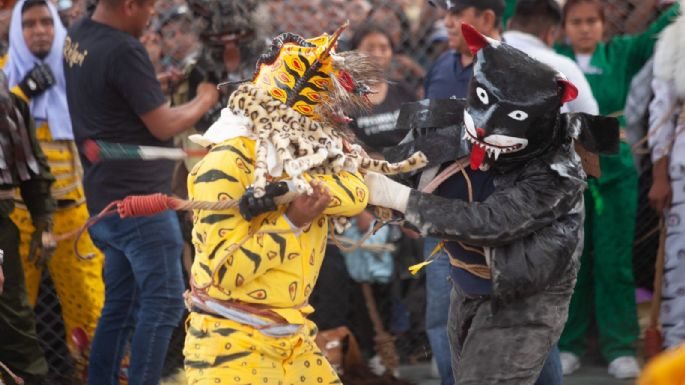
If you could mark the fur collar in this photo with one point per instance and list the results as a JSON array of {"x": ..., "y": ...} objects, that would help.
[{"x": 669, "y": 57}]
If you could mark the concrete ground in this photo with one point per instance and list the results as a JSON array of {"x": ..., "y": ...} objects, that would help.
[{"x": 591, "y": 373}]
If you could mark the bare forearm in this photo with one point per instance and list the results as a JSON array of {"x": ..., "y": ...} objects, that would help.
[
  {"x": 165, "y": 122},
  {"x": 183, "y": 117},
  {"x": 660, "y": 169}
]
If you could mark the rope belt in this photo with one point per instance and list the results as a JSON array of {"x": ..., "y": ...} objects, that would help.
[
  {"x": 480, "y": 271},
  {"x": 7, "y": 194},
  {"x": 57, "y": 145},
  {"x": 57, "y": 193},
  {"x": 62, "y": 204},
  {"x": 61, "y": 192},
  {"x": 252, "y": 315}
]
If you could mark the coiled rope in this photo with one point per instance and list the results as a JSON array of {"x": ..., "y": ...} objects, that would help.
[{"x": 147, "y": 205}]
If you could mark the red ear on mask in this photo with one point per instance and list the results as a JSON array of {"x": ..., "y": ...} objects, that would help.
[
  {"x": 474, "y": 39},
  {"x": 568, "y": 90}
]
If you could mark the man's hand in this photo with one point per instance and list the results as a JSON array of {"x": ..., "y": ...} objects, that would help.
[
  {"x": 385, "y": 192},
  {"x": 43, "y": 243},
  {"x": 306, "y": 208},
  {"x": 364, "y": 221},
  {"x": 251, "y": 206},
  {"x": 169, "y": 79},
  {"x": 660, "y": 194},
  {"x": 208, "y": 94},
  {"x": 37, "y": 81},
  {"x": 410, "y": 233}
]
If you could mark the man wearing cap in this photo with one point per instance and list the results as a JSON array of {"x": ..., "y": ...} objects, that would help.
[{"x": 179, "y": 41}]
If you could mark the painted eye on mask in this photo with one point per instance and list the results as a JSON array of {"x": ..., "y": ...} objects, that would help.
[
  {"x": 518, "y": 115},
  {"x": 482, "y": 95}
]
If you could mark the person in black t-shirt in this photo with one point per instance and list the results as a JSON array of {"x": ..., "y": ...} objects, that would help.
[
  {"x": 376, "y": 129},
  {"x": 114, "y": 95}
]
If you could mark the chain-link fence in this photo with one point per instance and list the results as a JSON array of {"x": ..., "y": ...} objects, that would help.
[{"x": 418, "y": 38}]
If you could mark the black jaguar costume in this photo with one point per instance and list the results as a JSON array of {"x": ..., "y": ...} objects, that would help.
[{"x": 513, "y": 221}]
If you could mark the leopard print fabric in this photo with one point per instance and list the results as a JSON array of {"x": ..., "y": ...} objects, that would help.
[{"x": 303, "y": 144}]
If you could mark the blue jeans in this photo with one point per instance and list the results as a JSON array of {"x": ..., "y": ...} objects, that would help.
[
  {"x": 438, "y": 287},
  {"x": 551, "y": 373},
  {"x": 143, "y": 296}
]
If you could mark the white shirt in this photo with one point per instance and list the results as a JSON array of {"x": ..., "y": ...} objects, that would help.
[
  {"x": 538, "y": 50},
  {"x": 664, "y": 127},
  {"x": 583, "y": 60}
]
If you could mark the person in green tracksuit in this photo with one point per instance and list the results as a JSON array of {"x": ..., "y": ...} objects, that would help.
[
  {"x": 509, "y": 8},
  {"x": 605, "y": 280}
]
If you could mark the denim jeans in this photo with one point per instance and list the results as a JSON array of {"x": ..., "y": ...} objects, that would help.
[
  {"x": 551, "y": 373},
  {"x": 438, "y": 287},
  {"x": 143, "y": 296}
]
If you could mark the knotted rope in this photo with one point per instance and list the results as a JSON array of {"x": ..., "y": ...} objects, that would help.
[
  {"x": 147, "y": 205},
  {"x": 448, "y": 172},
  {"x": 383, "y": 341}
]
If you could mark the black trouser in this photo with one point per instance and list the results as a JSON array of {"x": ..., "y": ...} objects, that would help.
[
  {"x": 508, "y": 346},
  {"x": 19, "y": 346}
]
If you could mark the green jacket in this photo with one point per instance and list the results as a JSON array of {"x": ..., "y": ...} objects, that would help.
[
  {"x": 509, "y": 8},
  {"x": 614, "y": 65}
]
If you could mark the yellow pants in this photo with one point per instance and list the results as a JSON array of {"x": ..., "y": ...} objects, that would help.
[
  {"x": 220, "y": 351},
  {"x": 78, "y": 283}
]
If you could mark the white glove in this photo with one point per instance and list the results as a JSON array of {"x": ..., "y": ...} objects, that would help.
[{"x": 385, "y": 192}]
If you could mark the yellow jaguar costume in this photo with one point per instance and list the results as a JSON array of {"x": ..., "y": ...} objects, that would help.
[
  {"x": 252, "y": 279},
  {"x": 78, "y": 282}
]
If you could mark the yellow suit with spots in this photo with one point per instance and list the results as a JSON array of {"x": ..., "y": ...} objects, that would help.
[
  {"x": 274, "y": 268},
  {"x": 78, "y": 283}
]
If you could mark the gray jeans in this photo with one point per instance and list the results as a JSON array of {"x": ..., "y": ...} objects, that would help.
[{"x": 510, "y": 345}]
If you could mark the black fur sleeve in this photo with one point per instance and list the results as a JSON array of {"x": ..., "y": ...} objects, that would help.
[{"x": 537, "y": 198}]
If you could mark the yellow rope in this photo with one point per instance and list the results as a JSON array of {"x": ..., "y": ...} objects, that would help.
[
  {"x": 355, "y": 245},
  {"x": 480, "y": 271}
]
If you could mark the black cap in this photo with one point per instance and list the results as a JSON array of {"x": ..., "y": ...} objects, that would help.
[
  {"x": 496, "y": 6},
  {"x": 173, "y": 14}
]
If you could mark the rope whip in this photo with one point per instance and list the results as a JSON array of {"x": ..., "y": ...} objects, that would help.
[{"x": 147, "y": 205}]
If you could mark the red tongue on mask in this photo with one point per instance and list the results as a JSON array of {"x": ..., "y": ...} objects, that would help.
[{"x": 477, "y": 152}]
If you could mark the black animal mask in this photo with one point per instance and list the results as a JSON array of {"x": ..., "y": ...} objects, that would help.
[{"x": 512, "y": 112}]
